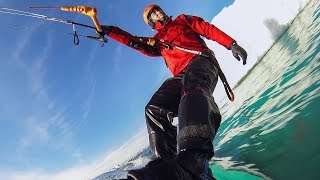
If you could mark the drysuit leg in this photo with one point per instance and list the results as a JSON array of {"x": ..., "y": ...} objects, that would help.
[
  {"x": 159, "y": 113},
  {"x": 199, "y": 118}
]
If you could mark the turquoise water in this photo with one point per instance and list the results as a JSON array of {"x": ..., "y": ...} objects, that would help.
[{"x": 272, "y": 128}]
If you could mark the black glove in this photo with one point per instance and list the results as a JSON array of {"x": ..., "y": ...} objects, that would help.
[
  {"x": 106, "y": 30},
  {"x": 238, "y": 52}
]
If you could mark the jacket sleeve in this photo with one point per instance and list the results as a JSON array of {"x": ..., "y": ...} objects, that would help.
[
  {"x": 136, "y": 43},
  {"x": 208, "y": 30}
]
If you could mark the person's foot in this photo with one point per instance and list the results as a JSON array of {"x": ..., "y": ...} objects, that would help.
[
  {"x": 196, "y": 163},
  {"x": 158, "y": 169},
  {"x": 185, "y": 167}
]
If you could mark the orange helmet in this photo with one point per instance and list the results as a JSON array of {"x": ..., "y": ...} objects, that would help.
[{"x": 146, "y": 14}]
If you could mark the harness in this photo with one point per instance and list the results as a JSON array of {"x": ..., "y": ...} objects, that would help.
[{"x": 221, "y": 75}]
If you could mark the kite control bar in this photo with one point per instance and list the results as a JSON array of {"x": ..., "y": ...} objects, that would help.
[
  {"x": 89, "y": 11},
  {"x": 86, "y": 10}
]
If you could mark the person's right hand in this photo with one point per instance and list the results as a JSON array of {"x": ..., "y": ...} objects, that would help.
[{"x": 106, "y": 30}]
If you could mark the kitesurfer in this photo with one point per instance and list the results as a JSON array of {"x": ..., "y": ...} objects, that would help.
[{"x": 187, "y": 95}]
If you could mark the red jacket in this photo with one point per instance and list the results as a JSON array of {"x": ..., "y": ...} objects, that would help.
[{"x": 184, "y": 31}]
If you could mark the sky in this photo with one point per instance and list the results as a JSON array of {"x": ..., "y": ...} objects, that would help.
[{"x": 73, "y": 112}]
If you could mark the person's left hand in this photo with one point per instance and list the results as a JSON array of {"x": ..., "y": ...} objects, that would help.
[{"x": 238, "y": 52}]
